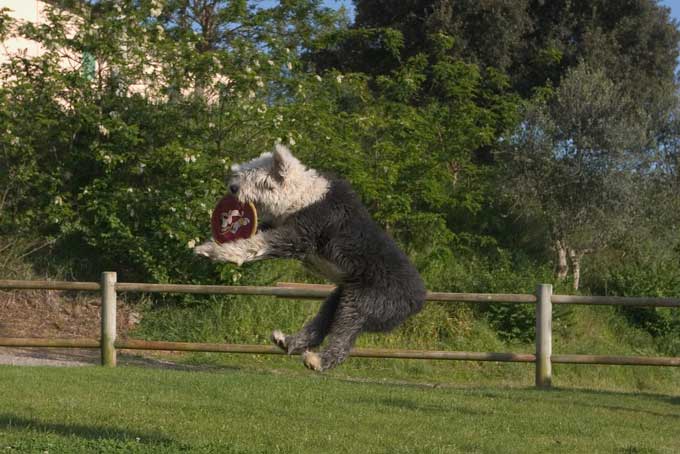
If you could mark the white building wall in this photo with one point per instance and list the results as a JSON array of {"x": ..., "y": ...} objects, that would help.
[{"x": 23, "y": 10}]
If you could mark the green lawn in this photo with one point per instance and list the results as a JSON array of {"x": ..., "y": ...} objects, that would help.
[{"x": 131, "y": 409}]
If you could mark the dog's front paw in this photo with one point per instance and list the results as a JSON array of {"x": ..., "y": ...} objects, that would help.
[
  {"x": 206, "y": 249},
  {"x": 279, "y": 339},
  {"x": 226, "y": 252},
  {"x": 312, "y": 361}
]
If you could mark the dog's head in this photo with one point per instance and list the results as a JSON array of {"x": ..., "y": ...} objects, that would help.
[{"x": 277, "y": 183}]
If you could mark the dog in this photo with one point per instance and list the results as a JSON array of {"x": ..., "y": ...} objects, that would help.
[{"x": 321, "y": 221}]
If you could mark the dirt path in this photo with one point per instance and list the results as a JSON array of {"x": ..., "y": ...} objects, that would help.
[
  {"x": 38, "y": 357},
  {"x": 57, "y": 314}
]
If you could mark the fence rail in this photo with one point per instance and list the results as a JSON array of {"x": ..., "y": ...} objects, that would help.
[{"x": 543, "y": 299}]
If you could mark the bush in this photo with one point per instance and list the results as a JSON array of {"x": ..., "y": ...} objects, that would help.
[{"x": 654, "y": 277}]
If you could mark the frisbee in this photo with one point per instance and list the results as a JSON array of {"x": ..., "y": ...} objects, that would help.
[{"x": 233, "y": 220}]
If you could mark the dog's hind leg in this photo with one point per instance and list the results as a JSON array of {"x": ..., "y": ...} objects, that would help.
[
  {"x": 314, "y": 331},
  {"x": 347, "y": 324}
]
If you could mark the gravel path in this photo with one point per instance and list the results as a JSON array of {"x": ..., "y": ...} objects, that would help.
[
  {"x": 14, "y": 360},
  {"x": 47, "y": 357}
]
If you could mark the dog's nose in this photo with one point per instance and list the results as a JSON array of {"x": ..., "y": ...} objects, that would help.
[{"x": 233, "y": 188}]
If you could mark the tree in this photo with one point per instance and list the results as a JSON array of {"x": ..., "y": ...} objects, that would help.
[{"x": 574, "y": 163}]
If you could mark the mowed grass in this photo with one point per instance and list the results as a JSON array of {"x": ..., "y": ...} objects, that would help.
[{"x": 129, "y": 409}]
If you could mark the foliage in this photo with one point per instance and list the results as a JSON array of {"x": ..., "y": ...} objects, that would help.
[
  {"x": 141, "y": 148},
  {"x": 643, "y": 276},
  {"x": 574, "y": 162},
  {"x": 115, "y": 143}
]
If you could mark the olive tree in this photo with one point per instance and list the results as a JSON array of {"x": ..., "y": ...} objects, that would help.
[{"x": 574, "y": 162}]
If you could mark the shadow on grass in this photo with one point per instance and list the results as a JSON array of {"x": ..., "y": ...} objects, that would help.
[
  {"x": 14, "y": 422},
  {"x": 664, "y": 398},
  {"x": 410, "y": 405},
  {"x": 532, "y": 394}
]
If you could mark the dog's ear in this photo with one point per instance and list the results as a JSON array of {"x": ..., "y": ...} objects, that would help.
[{"x": 283, "y": 161}]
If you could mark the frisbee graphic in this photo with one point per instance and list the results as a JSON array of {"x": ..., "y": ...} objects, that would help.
[{"x": 233, "y": 220}]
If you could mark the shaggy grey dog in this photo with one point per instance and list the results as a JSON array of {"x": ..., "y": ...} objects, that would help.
[{"x": 322, "y": 222}]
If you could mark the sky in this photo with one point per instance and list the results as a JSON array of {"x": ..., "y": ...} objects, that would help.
[{"x": 675, "y": 7}]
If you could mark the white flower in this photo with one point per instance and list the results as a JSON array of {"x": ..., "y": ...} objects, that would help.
[
  {"x": 248, "y": 69},
  {"x": 156, "y": 11},
  {"x": 189, "y": 158},
  {"x": 58, "y": 200},
  {"x": 159, "y": 29},
  {"x": 107, "y": 158},
  {"x": 141, "y": 167},
  {"x": 270, "y": 63},
  {"x": 130, "y": 189},
  {"x": 191, "y": 243},
  {"x": 173, "y": 209},
  {"x": 103, "y": 130},
  {"x": 262, "y": 109},
  {"x": 289, "y": 65},
  {"x": 256, "y": 63},
  {"x": 259, "y": 83},
  {"x": 251, "y": 94},
  {"x": 211, "y": 125},
  {"x": 223, "y": 161},
  {"x": 317, "y": 77},
  {"x": 14, "y": 141},
  {"x": 339, "y": 78}
]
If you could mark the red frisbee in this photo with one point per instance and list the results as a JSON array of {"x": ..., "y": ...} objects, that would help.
[{"x": 233, "y": 220}]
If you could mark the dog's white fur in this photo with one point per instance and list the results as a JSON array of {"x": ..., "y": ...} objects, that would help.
[{"x": 278, "y": 185}]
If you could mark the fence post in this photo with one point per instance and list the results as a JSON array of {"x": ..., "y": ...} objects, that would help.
[
  {"x": 108, "y": 330},
  {"x": 543, "y": 335}
]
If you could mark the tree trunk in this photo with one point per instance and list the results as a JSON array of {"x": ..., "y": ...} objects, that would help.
[
  {"x": 562, "y": 265},
  {"x": 575, "y": 257}
]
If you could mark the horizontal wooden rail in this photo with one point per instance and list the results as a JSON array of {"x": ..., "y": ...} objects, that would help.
[
  {"x": 321, "y": 291},
  {"x": 49, "y": 285},
  {"x": 135, "y": 344},
  {"x": 356, "y": 352},
  {"x": 431, "y": 296},
  {"x": 281, "y": 292},
  {"x": 54, "y": 343},
  {"x": 616, "y": 300},
  {"x": 617, "y": 360}
]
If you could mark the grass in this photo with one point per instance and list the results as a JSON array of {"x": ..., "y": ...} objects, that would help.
[
  {"x": 242, "y": 410},
  {"x": 587, "y": 330}
]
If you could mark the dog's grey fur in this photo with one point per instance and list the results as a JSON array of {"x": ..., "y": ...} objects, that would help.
[{"x": 322, "y": 222}]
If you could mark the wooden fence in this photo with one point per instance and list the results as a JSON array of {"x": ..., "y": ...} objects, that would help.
[{"x": 543, "y": 299}]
